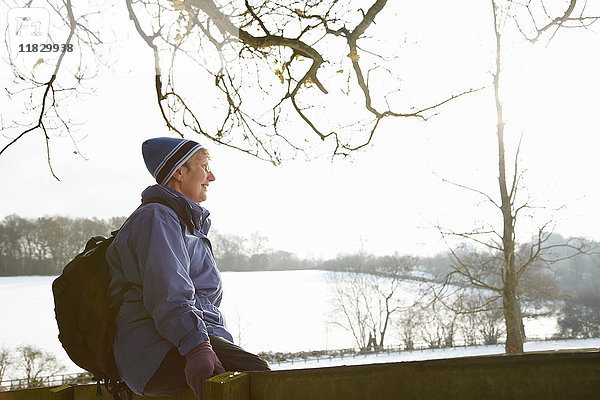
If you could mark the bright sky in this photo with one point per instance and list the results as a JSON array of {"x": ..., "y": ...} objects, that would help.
[{"x": 389, "y": 197}]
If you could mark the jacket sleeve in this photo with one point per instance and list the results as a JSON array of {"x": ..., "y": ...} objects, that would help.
[{"x": 168, "y": 291}]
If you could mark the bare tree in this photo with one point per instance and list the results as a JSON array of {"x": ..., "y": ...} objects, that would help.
[
  {"x": 490, "y": 325},
  {"x": 408, "y": 326},
  {"x": 263, "y": 65},
  {"x": 350, "y": 306},
  {"x": 230, "y": 250},
  {"x": 502, "y": 265},
  {"x": 468, "y": 327},
  {"x": 438, "y": 327},
  {"x": 479, "y": 316},
  {"x": 6, "y": 360},
  {"x": 240, "y": 326},
  {"x": 432, "y": 331},
  {"x": 36, "y": 363},
  {"x": 366, "y": 299},
  {"x": 257, "y": 244}
]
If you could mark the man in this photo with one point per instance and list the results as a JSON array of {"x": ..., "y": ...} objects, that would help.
[{"x": 170, "y": 332}]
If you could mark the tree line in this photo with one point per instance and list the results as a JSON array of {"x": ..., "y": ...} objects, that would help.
[{"x": 43, "y": 246}]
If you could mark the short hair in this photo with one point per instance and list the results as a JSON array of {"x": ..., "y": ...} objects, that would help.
[{"x": 201, "y": 151}]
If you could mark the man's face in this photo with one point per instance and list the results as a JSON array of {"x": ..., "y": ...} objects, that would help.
[{"x": 195, "y": 178}]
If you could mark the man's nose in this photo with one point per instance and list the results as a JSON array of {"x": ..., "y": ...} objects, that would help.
[{"x": 211, "y": 176}]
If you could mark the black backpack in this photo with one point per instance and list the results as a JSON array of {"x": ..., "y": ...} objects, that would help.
[{"x": 86, "y": 316}]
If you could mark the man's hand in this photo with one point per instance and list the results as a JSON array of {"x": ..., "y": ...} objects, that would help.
[{"x": 201, "y": 364}]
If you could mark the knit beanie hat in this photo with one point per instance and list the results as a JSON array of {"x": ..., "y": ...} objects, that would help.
[{"x": 164, "y": 155}]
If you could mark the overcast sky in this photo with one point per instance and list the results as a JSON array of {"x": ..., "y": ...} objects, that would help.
[{"x": 387, "y": 198}]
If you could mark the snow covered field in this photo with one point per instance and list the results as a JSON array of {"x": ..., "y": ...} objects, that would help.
[
  {"x": 265, "y": 311},
  {"x": 433, "y": 354},
  {"x": 283, "y": 311}
]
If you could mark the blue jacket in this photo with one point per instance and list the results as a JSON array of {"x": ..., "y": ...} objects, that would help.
[{"x": 163, "y": 255}]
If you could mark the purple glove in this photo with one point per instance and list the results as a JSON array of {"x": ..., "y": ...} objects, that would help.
[{"x": 201, "y": 364}]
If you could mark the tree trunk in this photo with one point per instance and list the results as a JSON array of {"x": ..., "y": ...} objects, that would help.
[
  {"x": 512, "y": 317},
  {"x": 512, "y": 313}
]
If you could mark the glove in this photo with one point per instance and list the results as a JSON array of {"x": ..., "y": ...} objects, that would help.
[{"x": 201, "y": 364}]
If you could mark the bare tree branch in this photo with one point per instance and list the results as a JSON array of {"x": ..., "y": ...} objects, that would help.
[{"x": 249, "y": 40}]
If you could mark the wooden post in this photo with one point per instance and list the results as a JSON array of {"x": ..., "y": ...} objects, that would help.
[{"x": 228, "y": 386}]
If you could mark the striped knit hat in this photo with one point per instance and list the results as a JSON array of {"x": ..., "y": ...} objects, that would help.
[{"x": 164, "y": 155}]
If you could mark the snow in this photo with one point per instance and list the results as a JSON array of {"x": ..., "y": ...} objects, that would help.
[
  {"x": 434, "y": 354},
  {"x": 278, "y": 311}
]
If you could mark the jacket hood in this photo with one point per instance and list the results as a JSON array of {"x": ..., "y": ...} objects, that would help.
[{"x": 186, "y": 209}]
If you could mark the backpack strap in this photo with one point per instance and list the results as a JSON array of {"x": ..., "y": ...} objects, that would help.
[{"x": 114, "y": 233}]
